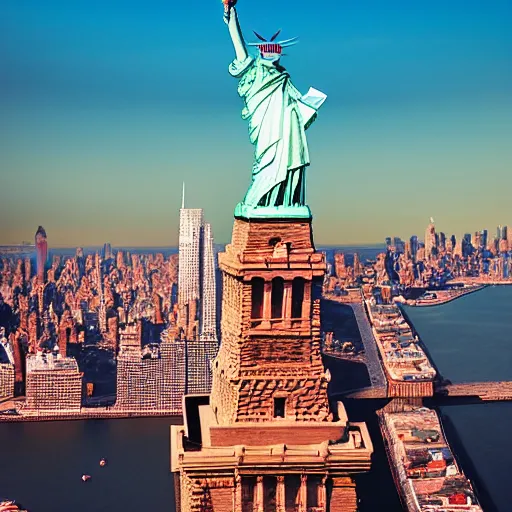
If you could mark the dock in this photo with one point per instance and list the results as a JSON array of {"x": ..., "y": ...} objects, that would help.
[
  {"x": 373, "y": 364},
  {"x": 426, "y": 472}
]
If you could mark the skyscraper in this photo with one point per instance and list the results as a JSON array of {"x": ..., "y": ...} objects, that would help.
[
  {"x": 442, "y": 241},
  {"x": 196, "y": 276},
  {"x": 430, "y": 239},
  {"x": 191, "y": 225},
  {"x": 41, "y": 252},
  {"x": 107, "y": 252},
  {"x": 483, "y": 238},
  {"x": 414, "y": 246},
  {"x": 501, "y": 232},
  {"x": 208, "y": 328}
]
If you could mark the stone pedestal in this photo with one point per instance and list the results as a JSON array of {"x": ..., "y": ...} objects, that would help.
[{"x": 267, "y": 439}]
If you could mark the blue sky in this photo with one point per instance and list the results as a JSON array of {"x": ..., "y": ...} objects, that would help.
[{"x": 107, "y": 107}]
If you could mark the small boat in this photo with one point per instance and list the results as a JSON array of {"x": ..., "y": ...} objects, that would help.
[
  {"x": 6, "y": 506},
  {"x": 103, "y": 462},
  {"x": 86, "y": 477}
]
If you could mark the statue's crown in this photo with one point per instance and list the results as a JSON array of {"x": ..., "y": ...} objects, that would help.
[{"x": 271, "y": 49}]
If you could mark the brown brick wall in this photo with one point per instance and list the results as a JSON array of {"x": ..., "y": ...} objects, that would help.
[
  {"x": 255, "y": 236},
  {"x": 222, "y": 499},
  {"x": 269, "y": 352},
  {"x": 410, "y": 389},
  {"x": 252, "y": 366},
  {"x": 305, "y": 399},
  {"x": 260, "y": 435},
  {"x": 343, "y": 495}
]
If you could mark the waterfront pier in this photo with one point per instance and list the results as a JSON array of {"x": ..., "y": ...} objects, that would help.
[
  {"x": 482, "y": 391},
  {"x": 373, "y": 364},
  {"x": 384, "y": 386}
]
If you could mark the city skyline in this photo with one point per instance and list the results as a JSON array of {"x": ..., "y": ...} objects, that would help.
[
  {"x": 389, "y": 233},
  {"x": 100, "y": 129}
]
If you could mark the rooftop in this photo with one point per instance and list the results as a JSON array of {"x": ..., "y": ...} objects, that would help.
[
  {"x": 48, "y": 361},
  {"x": 428, "y": 472}
]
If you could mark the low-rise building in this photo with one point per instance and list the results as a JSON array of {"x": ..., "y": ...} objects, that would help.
[
  {"x": 157, "y": 377},
  {"x": 54, "y": 383},
  {"x": 6, "y": 380}
]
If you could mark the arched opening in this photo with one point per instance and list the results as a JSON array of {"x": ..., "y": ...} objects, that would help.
[
  {"x": 297, "y": 297},
  {"x": 257, "y": 289},
  {"x": 277, "y": 297}
]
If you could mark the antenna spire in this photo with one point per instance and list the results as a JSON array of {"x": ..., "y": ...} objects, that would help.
[{"x": 183, "y": 197}]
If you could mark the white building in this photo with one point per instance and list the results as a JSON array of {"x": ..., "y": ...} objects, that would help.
[
  {"x": 191, "y": 226},
  {"x": 197, "y": 271},
  {"x": 208, "y": 326},
  {"x": 430, "y": 239}
]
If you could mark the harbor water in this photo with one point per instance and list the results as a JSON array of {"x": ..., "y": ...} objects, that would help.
[{"x": 470, "y": 341}]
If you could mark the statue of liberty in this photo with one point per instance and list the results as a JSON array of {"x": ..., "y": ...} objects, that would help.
[{"x": 278, "y": 116}]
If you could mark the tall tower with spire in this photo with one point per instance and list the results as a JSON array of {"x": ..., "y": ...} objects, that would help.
[
  {"x": 196, "y": 275},
  {"x": 190, "y": 235}
]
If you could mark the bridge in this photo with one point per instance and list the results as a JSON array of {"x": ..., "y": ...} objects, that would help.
[
  {"x": 382, "y": 386},
  {"x": 497, "y": 391},
  {"x": 485, "y": 391}
]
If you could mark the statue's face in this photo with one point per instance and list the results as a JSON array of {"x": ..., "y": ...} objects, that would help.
[{"x": 270, "y": 57}]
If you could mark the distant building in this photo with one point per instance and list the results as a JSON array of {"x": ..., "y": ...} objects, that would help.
[
  {"x": 483, "y": 238},
  {"x": 453, "y": 241},
  {"x": 41, "y": 252},
  {"x": 157, "y": 377},
  {"x": 506, "y": 266},
  {"x": 414, "y": 246},
  {"x": 442, "y": 241},
  {"x": 430, "y": 240},
  {"x": 208, "y": 328},
  {"x": 6, "y": 380},
  {"x": 130, "y": 338},
  {"x": 139, "y": 380},
  {"x": 502, "y": 232},
  {"x": 107, "y": 252},
  {"x": 54, "y": 383},
  {"x": 467, "y": 247},
  {"x": 399, "y": 244}
]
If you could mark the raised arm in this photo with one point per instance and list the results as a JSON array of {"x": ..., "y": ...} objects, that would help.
[{"x": 231, "y": 19}]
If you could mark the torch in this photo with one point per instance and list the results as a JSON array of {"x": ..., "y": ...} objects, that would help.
[{"x": 227, "y": 6}]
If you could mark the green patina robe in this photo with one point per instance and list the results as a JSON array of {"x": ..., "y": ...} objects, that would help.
[{"x": 278, "y": 117}]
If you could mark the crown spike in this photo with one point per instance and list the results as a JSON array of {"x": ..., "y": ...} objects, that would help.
[
  {"x": 261, "y": 38},
  {"x": 275, "y": 35}
]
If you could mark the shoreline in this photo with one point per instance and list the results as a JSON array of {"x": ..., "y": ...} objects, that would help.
[
  {"x": 446, "y": 300},
  {"x": 87, "y": 415},
  {"x": 439, "y": 376}
]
